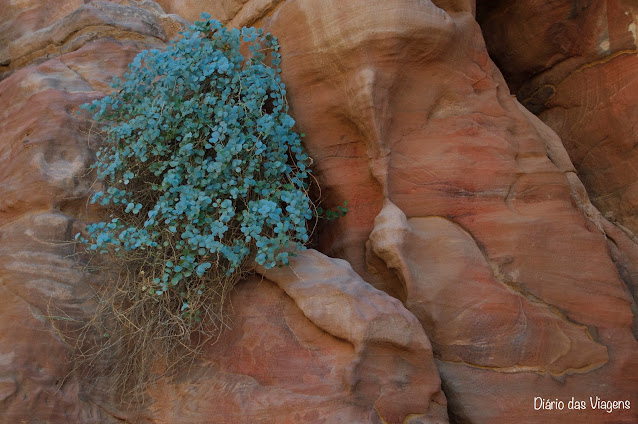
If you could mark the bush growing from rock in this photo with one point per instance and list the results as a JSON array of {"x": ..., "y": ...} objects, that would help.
[{"x": 202, "y": 174}]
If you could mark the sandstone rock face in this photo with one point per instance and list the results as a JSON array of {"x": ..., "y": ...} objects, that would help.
[
  {"x": 498, "y": 255},
  {"x": 50, "y": 70},
  {"x": 235, "y": 13},
  {"x": 285, "y": 360},
  {"x": 415, "y": 250},
  {"x": 335, "y": 298},
  {"x": 35, "y": 33},
  {"x": 37, "y": 281},
  {"x": 471, "y": 257},
  {"x": 320, "y": 345},
  {"x": 573, "y": 63}
]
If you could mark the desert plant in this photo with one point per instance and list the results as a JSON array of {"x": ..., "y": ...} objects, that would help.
[{"x": 201, "y": 175}]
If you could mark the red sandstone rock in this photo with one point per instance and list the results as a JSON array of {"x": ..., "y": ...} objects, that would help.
[
  {"x": 384, "y": 334},
  {"x": 477, "y": 328},
  {"x": 271, "y": 366},
  {"x": 323, "y": 347},
  {"x": 574, "y": 64},
  {"x": 40, "y": 283},
  {"x": 235, "y": 13},
  {"x": 498, "y": 251},
  {"x": 44, "y": 155},
  {"x": 429, "y": 124},
  {"x": 34, "y": 34}
]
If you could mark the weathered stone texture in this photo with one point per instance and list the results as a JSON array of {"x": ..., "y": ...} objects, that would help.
[
  {"x": 574, "y": 63},
  {"x": 470, "y": 258}
]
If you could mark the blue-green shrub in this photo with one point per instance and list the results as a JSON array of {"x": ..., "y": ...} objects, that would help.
[
  {"x": 201, "y": 175},
  {"x": 201, "y": 168}
]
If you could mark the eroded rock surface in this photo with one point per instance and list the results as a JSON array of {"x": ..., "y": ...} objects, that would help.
[
  {"x": 419, "y": 116},
  {"x": 317, "y": 345},
  {"x": 538, "y": 339},
  {"x": 313, "y": 343},
  {"x": 284, "y": 360},
  {"x": 38, "y": 281},
  {"x": 573, "y": 63},
  {"x": 392, "y": 368},
  {"x": 462, "y": 205},
  {"x": 44, "y": 183}
]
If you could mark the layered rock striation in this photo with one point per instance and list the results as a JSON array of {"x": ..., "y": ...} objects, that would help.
[
  {"x": 573, "y": 63},
  {"x": 470, "y": 275}
]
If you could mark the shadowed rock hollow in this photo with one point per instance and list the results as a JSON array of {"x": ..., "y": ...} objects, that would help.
[
  {"x": 574, "y": 64},
  {"x": 471, "y": 273}
]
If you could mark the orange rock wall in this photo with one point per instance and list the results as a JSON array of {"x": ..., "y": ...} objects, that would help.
[
  {"x": 473, "y": 275},
  {"x": 574, "y": 63}
]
